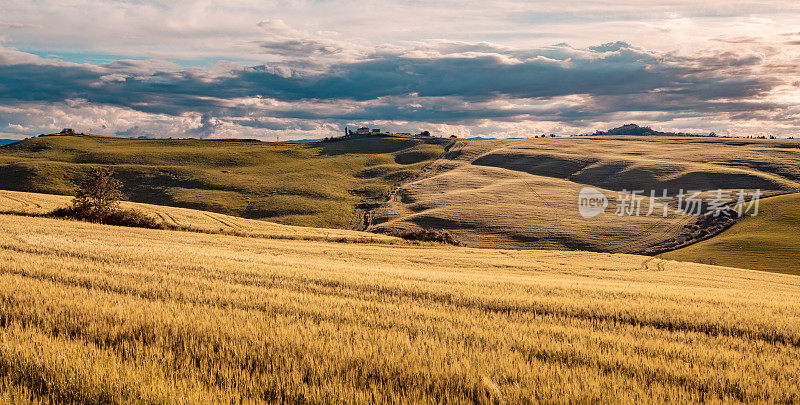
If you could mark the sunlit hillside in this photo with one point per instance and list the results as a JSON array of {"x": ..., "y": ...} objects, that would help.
[
  {"x": 94, "y": 313},
  {"x": 523, "y": 193},
  {"x": 519, "y": 193},
  {"x": 312, "y": 184}
]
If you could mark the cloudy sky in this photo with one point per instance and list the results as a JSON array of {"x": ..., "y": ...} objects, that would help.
[{"x": 305, "y": 69}]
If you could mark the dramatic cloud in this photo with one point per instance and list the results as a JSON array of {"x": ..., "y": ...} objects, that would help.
[{"x": 260, "y": 70}]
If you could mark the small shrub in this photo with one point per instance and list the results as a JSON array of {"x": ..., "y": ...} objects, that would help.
[
  {"x": 132, "y": 217},
  {"x": 120, "y": 217},
  {"x": 428, "y": 235}
]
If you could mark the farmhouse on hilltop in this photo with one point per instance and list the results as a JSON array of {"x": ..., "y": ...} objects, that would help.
[
  {"x": 378, "y": 131},
  {"x": 368, "y": 131}
]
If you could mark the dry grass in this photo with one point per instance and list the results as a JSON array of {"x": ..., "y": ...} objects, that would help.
[
  {"x": 523, "y": 193},
  {"x": 200, "y": 221},
  {"x": 93, "y": 313}
]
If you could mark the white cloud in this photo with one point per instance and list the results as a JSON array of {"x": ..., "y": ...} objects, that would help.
[
  {"x": 375, "y": 43},
  {"x": 203, "y": 29}
]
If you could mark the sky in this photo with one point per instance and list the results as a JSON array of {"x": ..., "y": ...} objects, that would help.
[{"x": 281, "y": 70}]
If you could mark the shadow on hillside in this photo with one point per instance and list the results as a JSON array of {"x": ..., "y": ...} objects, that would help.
[{"x": 367, "y": 145}]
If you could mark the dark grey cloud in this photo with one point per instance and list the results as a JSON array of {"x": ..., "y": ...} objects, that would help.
[
  {"x": 299, "y": 48},
  {"x": 461, "y": 82},
  {"x": 133, "y": 132},
  {"x": 279, "y": 124},
  {"x": 208, "y": 125}
]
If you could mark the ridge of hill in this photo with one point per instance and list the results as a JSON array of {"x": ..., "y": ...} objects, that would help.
[
  {"x": 636, "y": 130},
  {"x": 311, "y": 184}
]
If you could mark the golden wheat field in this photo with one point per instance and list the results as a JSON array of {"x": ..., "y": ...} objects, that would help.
[{"x": 95, "y": 313}]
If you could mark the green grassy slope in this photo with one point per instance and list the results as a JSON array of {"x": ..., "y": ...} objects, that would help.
[
  {"x": 316, "y": 184},
  {"x": 769, "y": 241}
]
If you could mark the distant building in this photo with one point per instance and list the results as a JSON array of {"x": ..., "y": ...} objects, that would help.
[
  {"x": 67, "y": 131},
  {"x": 376, "y": 131}
]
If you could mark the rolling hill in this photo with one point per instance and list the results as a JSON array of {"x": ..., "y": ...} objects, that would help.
[
  {"x": 99, "y": 314},
  {"x": 769, "y": 241},
  {"x": 311, "y": 184},
  {"x": 519, "y": 193},
  {"x": 523, "y": 193}
]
